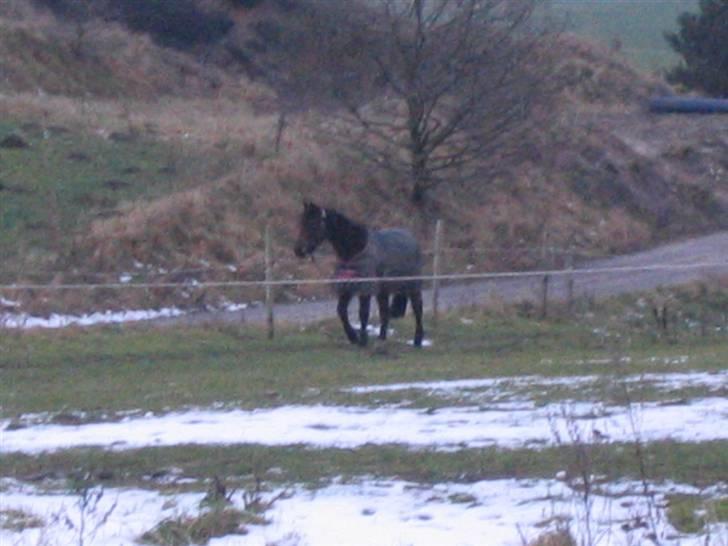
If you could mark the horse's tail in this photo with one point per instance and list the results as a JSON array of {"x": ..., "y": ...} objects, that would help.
[{"x": 398, "y": 306}]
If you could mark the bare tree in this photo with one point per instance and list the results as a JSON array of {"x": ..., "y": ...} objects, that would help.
[
  {"x": 310, "y": 58},
  {"x": 458, "y": 76}
]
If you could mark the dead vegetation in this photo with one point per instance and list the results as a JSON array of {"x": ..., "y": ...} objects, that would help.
[
  {"x": 218, "y": 517},
  {"x": 561, "y": 537}
]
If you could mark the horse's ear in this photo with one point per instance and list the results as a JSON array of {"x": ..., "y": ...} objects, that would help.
[{"x": 312, "y": 209}]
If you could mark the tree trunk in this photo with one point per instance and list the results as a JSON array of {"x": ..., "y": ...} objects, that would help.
[
  {"x": 418, "y": 194},
  {"x": 420, "y": 173}
]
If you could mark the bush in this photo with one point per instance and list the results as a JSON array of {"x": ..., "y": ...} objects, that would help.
[
  {"x": 702, "y": 41},
  {"x": 66, "y": 9},
  {"x": 173, "y": 23},
  {"x": 179, "y": 24},
  {"x": 249, "y": 4}
]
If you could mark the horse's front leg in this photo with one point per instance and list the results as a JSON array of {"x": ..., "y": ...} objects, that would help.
[
  {"x": 383, "y": 303},
  {"x": 364, "y": 304},
  {"x": 416, "y": 299},
  {"x": 343, "y": 310}
]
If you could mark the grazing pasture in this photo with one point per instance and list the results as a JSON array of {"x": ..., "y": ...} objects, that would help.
[
  {"x": 65, "y": 177},
  {"x": 603, "y": 423},
  {"x": 626, "y": 424}
]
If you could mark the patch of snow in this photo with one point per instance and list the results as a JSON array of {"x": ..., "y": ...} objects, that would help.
[
  {"x": 504, "y": 426},
  {"x": 230, "y": 306},
  {"x": 497, "y": 513},
  {"x": 387, "y": 512},
  {"x": 603, "y": 361},
  {"x": 131, "y": 513},
  {"x": 425, "y": 342},
  {"x": 669, "y": 360},
  {"x": 372, "y": 329},
  {"x": 8, "y": 304},
  {"x": 672, "y": 381},
  {"x": 26, "y": 321}
]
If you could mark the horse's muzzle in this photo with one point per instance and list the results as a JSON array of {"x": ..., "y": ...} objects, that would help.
[
  {"x": 305, "y": 247},
  {"x": 301, "y": 251}
]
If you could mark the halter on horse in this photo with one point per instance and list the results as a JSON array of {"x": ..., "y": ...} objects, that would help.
[{"x": 366, "y": 253}]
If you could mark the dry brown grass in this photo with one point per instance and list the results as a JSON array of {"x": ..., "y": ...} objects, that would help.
[
  {"x": 560, "y": 537},
  {"x": 39, "y": 53},
  {"x": 592, "y": 77},
  {"x": 220, "y": 122},
  {"x": 22, "y": 13}
]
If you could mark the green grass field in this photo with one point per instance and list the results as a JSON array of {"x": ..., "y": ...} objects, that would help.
[
  {"x": 639, "y": 25},
  {"x": 108, "y": 373},
  {"x": 74, "y": 370},
  {"x": 66, "y": 177}
]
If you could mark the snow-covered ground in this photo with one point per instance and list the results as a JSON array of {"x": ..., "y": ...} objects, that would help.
[
  {"x": 26, "y": 321},
  {"x": 492, "y": 415},
  {"x": 503, "y": 425},
  {"x": 372, "y": 512},
  {"x": 489, "y": 412},
  {"x": 503, "y": 386},
  {"x": 18, "y": 320}
]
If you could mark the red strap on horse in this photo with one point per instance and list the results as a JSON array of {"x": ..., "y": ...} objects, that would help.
[{"x": 344, "y": 272}]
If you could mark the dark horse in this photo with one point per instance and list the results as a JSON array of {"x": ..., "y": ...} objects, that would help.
[{"x": 366, "y": 253}]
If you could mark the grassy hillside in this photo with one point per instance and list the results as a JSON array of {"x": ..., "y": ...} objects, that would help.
[
  {"x": 162, "y": 165},
  {"x": 635, "y": 27},
  {"x": 64, "y": 178}
]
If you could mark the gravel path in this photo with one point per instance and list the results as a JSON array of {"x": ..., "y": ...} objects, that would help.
[{"x": 709, "y": 249}]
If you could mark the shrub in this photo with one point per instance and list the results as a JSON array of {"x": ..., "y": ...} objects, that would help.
[
  {"x": 248, "y": 4},
  {"x": 173, "y": 23},
  {"x": 179, "y": 24},
  {"x": 66, "y": 9}
]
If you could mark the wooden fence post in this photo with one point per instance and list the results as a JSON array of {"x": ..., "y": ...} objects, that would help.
[
  {"x": 703, "y": 301},
  {"x": 268, "y": 285},
  {"x": 570, "y": 282},
  {"x": 436, "y": 272},
  {"x": 545, "y": 297}
]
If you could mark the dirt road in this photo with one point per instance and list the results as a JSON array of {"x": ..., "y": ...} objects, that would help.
[{"x": 620, "y": 278}]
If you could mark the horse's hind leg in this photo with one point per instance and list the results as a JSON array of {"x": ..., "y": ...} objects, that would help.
[
  {"x": 364, "y": 304},
  {"x": 343, "y": 311},
  {"x": 383, "y": 303},
  {"x": 416, "y": 300}
]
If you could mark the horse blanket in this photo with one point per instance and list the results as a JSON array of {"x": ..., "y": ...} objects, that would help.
[{"x": 388, "y": 253}]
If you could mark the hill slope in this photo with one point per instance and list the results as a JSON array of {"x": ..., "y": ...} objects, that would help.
[{"x": 142, "y": 160}]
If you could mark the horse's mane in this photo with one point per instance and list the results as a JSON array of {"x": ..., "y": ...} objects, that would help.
[{"x": 348, "y": 237}]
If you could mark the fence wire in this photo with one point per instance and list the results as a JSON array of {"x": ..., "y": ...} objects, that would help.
[{"x": 333, "y": 281}]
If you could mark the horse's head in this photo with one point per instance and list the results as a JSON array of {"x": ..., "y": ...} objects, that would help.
[{"x": 312, "y": 230}]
